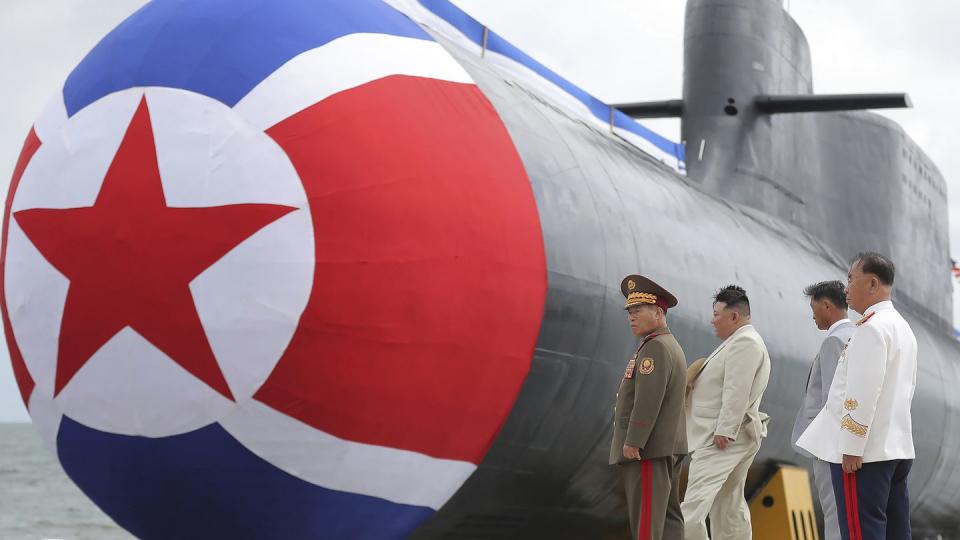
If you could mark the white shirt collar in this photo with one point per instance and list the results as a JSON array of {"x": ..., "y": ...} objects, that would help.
[{"x": 836, "y": 325}]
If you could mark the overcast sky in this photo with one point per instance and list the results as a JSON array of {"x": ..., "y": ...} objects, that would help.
[{"x": 618, "y": 50}]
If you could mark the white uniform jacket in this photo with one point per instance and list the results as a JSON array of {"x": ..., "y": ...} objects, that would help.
[
  {"x": 726, "y": 394},
  {"x": 868, "y": 411}
]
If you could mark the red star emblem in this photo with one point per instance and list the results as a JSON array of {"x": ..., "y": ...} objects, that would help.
[{"x": 130, "y": 258}]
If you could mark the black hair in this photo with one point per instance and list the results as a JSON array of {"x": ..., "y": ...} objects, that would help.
[
  {"x": 876, "y": 264},
  {"x": 831, "y": 290},
  {"x": 734, "y": 297}
]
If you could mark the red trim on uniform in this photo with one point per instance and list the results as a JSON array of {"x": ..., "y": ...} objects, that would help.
[
  {"x": 646, "y": 499},
  {"x": 649, "y": 338},
  {"x": 856, "y": 505},
  {"x": 852, "y": 506},
  {"x": 851, "y": 530}
]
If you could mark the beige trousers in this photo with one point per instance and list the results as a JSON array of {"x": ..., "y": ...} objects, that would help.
[{"x": 715, "y": 488}]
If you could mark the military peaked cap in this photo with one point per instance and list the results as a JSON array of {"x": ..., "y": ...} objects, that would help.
[{"x": 639, "y": 290}]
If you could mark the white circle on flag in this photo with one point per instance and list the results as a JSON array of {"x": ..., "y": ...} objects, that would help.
[{"x": 249, "y": 301}]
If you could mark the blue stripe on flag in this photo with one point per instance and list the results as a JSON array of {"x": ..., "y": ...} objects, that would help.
[
  {"x": 205, "y": 484},
  {"x": 220, "y": 48}
]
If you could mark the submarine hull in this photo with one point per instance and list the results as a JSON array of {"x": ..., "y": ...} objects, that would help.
[{"x": 607, "y": 210}]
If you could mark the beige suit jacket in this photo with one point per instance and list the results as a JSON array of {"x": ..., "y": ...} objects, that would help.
[{"x": 726, "y": 394}]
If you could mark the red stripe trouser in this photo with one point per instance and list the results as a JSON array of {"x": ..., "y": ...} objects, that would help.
[
  {"x": 873, "y": 503},
  {"x": 653, "y": 498}
]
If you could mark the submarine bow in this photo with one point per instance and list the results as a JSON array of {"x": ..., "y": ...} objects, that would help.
[{"x": 349, "y": 269}]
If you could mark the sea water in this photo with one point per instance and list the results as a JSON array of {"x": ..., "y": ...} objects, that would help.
[{"x": 37, "y": 499}]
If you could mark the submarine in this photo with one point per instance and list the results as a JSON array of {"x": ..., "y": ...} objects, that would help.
[
  {"x": 777, "y": 188},
  {"x": 424, "y": 336}
]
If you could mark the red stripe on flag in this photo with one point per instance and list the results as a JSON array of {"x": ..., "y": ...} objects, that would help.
[
  {"x": 20, "y": 372},
  {"x": 646, "y": 499},
  {"x": 430, "y": 275}
]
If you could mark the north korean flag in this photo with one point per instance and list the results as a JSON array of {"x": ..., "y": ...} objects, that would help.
[{"x": 270, "y": 270}]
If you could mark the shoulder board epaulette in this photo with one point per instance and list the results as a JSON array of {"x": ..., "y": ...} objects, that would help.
[{"x": 866, "y": 318}]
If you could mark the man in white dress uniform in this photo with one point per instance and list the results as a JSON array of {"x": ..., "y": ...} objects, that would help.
[
  {"x": 865, "y": 431},
  {"x": 828, "y": 301},
  {"x": 724, "y": 423}
]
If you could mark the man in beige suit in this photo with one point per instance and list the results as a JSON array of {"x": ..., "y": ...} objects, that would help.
[{"x": 724, "y": 423}]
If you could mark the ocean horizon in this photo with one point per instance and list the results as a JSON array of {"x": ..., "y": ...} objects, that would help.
[{"x": 37, "y": 499}]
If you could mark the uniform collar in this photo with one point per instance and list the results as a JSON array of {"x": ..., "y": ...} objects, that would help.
[
  {"x": 662, "y": 330},
  {"x": 879, "y": 306},
  {"x": 836, "y": 325}
]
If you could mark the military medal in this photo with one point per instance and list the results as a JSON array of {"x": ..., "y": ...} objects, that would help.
[{"x": 631, "y": 365}]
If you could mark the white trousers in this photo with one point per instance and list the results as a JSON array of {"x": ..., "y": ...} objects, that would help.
[{"x": 715, "y": 488}]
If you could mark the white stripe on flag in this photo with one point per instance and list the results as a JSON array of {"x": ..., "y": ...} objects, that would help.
[
  {"x": 399, "y": 476},
  {"x": 46, "y": 416},
  {"x": 341, "y": 64},
  {"x": 53, "y": 117}
]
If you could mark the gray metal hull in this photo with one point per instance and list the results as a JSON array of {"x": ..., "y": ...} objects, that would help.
[{"x": 607, "y": 209}]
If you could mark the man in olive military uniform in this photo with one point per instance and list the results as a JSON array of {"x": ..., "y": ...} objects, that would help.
[{"x": 649, "y": 432}]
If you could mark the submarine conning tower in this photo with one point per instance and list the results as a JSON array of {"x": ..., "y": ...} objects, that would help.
[{"x": 756, "y": 134}]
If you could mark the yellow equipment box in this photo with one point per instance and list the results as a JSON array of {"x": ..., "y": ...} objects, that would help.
[{"x": 783, "y": 509}]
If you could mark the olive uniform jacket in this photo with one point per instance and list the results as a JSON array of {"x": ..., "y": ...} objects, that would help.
[{"x": 649, "y": 413}]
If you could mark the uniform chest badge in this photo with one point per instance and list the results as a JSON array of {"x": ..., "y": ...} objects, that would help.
[
  {"x": 851, "y": 404},
  {"x": 646, "y": 366},
  {"x": 631, "y": 365}
]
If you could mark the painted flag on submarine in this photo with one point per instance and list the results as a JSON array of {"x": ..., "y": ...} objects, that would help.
[{"x": 270, "y": 269}]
